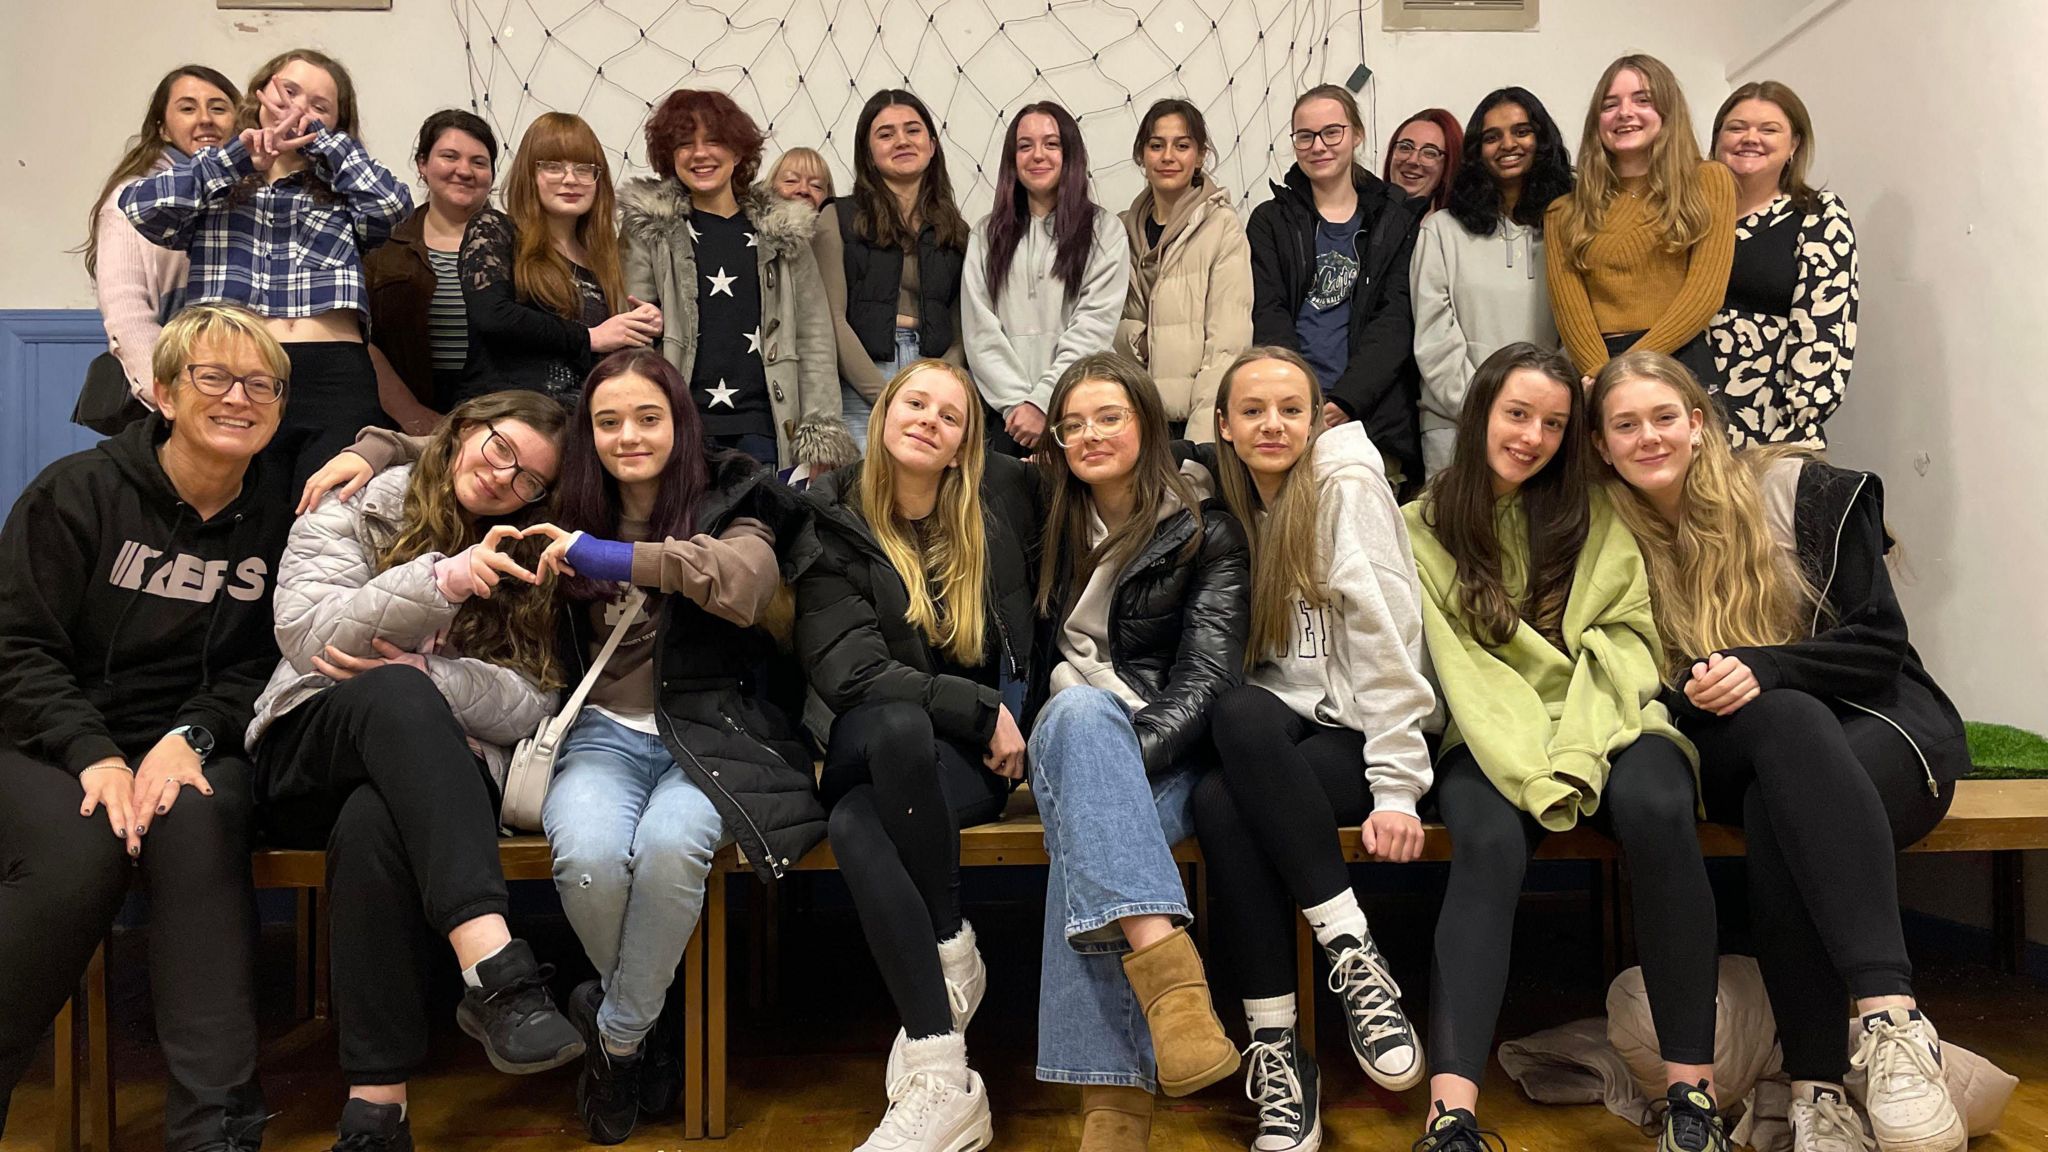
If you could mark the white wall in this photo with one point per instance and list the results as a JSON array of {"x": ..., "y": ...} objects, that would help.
[
  {"x": 97, "y": 60},
  {"x": 1947, "y": 400}
]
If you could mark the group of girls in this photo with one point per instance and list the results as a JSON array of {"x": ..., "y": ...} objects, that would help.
[{"x": 1223, "y": 571}]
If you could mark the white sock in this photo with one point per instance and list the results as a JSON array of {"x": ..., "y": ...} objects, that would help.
[
  {"x": 945, "y": 1054},
  {"x": 1271, "y": 1012},
  {"x": 1340, "y": 915},
  {"x": 469, "y": 975},
  {"x": 1805, "y": 1090},
  {"x": 615, "y": 1048},
  {"x": 955, "y": 949}
]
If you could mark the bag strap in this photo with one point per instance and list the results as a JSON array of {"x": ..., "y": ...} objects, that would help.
[{"x": 630, "y": 610}]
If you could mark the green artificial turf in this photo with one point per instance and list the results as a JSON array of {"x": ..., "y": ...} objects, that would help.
[{"x": 2002, "y": 752}]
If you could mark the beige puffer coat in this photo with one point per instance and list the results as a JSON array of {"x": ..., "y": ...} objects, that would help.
[
  {"x": 1189, "y": 309},
  {"x": 797, "y": 341},
  {"x": 330, "y": 592}
]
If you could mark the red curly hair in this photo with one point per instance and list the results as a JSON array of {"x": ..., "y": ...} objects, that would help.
[
  {"x": 688, "y": 111},
  {"x": 1454, "y": 147}
]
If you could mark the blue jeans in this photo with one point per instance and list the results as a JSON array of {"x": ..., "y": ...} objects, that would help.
[
  {"x": 854, "y": 408},
  {"x": 1110, "y": 833},
  {"x": 632, "y": 839}
]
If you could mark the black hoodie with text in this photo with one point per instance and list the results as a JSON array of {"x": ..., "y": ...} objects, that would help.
[{"x": 124, "y": 615}]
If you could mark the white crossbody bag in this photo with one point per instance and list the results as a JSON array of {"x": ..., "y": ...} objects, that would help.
[{"x": 533, "y": 762}]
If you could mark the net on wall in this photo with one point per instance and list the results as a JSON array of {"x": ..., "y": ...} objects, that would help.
[{"x": 803, "y": 68}]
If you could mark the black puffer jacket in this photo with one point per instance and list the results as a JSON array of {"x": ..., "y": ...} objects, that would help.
[
  {"x": 1381, "y": 385},
  {"x": 1177, "y": 631},
  {"x": 735, "y": 745},
  {"x": 856, "y": 645},
  {"x": 1858, "y": 652}
]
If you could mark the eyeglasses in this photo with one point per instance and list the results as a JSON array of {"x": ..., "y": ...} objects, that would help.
[
  {"x": 215, "y": 380},
  {"x": 1106, "y": 425},
  {"x": 1331, "y": 134},
  {"x": 499, "y": 454},
  {"x": 1429, "y": 152},
  {"x": 562, "y": 170}
]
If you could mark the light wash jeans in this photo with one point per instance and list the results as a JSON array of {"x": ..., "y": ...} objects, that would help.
[
  {"x": 1110, "y": 833},
  {"x": 854, "y": 408},
  {"x": 632, "y": 839}
]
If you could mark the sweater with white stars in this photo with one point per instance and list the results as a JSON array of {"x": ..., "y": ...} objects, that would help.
[{"x": 728, "y": 379}]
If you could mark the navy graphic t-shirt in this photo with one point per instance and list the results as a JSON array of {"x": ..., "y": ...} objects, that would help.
[{"x": 1324, "y": 323}]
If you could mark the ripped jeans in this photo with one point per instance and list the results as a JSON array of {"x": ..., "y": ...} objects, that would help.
[{"x": 632, "y": 839}]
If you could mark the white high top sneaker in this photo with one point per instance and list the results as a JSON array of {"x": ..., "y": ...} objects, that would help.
[
  {"x": 966, "y": 983},
  {"x": 1823, "y": 1121},
  {"x": 936, "y": 1104},
  {"x": 1905, "y": 1095}
]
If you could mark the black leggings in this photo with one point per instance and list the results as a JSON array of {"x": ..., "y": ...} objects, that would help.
[
  {"x": 1648, "y": 807},
  {"x": 62, "y": 880},
  {"x": 377, "y": 770},
  {"x": 332, "y": 395},
  {"x": 898, "y": 796},
  {"x": 1267, "y": 818},
  {"x": 1826, "y": 799}
]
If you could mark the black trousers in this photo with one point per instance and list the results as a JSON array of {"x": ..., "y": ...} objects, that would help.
[
  {"x": 1648, "y": 807},
  {"x": 377, "y": 770},
  {"x": 1826, "y": 798},
  {"x": 998, "y": 437},
  {"x": 332, "y": 396},
  {"x": 1267, "y": 818},
  {"x": 898, "y": 796},
  {"x": 62, "y": 880}
]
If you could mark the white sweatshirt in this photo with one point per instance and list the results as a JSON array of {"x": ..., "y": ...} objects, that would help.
[
  {"x": 1358, "y": 661},
  {"x": 1473, "y": 295},
  {"x": 1018, "y": 346}
]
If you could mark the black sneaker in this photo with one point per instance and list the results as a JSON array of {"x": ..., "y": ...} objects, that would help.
[
  {"x": 661, "y": 1068},
  {"x": 608, "y": 1089},
  {"x": 1457, "y": 1130},
  {"x": 367, "y": 1127},
  {"x": 1283, "y": 1081},
  {"x": 238, "y": 1134},
  {"x": 1691, "y": 1121},
  {"x": 514, "y": 1017},
  {"x": 1381, "y": 1037}
]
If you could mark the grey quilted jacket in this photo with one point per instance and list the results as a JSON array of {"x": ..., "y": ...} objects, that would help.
[{"x": 330, "y": 592}]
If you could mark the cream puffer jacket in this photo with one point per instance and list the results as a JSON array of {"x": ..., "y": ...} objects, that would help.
[{"x": 1189, "y": 309}]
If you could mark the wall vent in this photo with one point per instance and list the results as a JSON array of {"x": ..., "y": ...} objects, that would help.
[{"x": 1458, "y": 15}]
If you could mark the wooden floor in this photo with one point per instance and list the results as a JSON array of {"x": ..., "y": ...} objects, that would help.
[{"x": 807, "y": 1061}]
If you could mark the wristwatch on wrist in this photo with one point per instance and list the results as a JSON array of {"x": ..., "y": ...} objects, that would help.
[{"x": 199, "y": 738}]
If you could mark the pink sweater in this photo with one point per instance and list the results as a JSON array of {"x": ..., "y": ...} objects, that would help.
[{"x": 134, "y": 277}]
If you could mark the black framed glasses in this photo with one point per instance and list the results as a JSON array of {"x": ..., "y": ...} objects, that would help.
[
  {"x": 563, "y": 169},
  {"x": 499, "y": 454},
  {"x": 1105, "y": 425},
  {"x": 1428, "y": 152},
  {"x": 1331, "y": 135},
  {"x": 216, "y": 380}
]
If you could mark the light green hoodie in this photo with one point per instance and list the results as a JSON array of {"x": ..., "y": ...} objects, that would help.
[{"x": 1543, "y": 723}]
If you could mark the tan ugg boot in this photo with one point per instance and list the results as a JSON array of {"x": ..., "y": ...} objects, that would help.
[
  {"x": 1187, "y": 1040},
  {"x": 1115, "y": 1119}
]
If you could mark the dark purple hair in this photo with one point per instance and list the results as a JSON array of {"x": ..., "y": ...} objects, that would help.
[
  {"x": 1073, "y": 212},
  {"x": 588, "y": 496}
]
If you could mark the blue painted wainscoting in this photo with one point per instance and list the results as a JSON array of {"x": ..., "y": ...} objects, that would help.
[{"x": 43, "y": 354}]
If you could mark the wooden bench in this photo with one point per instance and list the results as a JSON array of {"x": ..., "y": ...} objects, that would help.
[{"x": 2002, "y": 817}]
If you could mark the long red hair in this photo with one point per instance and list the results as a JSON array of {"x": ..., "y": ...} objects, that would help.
[{"x": 540, "y": 273}]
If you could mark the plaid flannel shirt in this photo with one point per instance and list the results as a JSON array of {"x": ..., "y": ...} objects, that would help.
[{"x": 275, "y": 248}]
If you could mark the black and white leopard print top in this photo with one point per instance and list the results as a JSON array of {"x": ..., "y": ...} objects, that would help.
[{"x": 1785, "y": 339}]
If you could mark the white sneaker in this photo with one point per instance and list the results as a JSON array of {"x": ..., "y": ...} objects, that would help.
[
  {"x": 938, "y": 1104},
  {"x": 1906, "y": 1096},
  {"x": 1823, "y": 1121},
  {"x": 966, "y": 984}
]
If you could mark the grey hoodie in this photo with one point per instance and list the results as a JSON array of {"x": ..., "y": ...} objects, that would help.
[
  {"x": 1473, "y": 295},
  {"x": 1358, "y": 661},
  {"x": 1017, "y": 347}
]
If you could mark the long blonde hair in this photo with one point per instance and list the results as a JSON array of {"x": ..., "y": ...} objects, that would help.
[
  {"x": 514, "y": 626},
  {"x": 957, "y": 559},
  {"x": 539, "y": 272},
  {"x": 1674, "y": 194},
  {"x": 1717, "y": 578},
  {"x": 1286, "y": 545}
]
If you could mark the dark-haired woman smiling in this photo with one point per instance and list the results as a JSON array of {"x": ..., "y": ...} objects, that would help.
[{"x": 1477, "y": 278}]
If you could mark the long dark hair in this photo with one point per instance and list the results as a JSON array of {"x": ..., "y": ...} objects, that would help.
[
  {"x": 1459, "y": 507},
  {"x": 876, "y": 217},
  {"x": 1067, "y": 560},
  {"x": 1073, "y": 212},
  {"x": 1475, "y": 198},
  {"x": 456, "y": 120},
  {"x": 1198, "y": 130},
  {"x": 146, "y": 148},
  {"x": 587, "y": 496}
]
